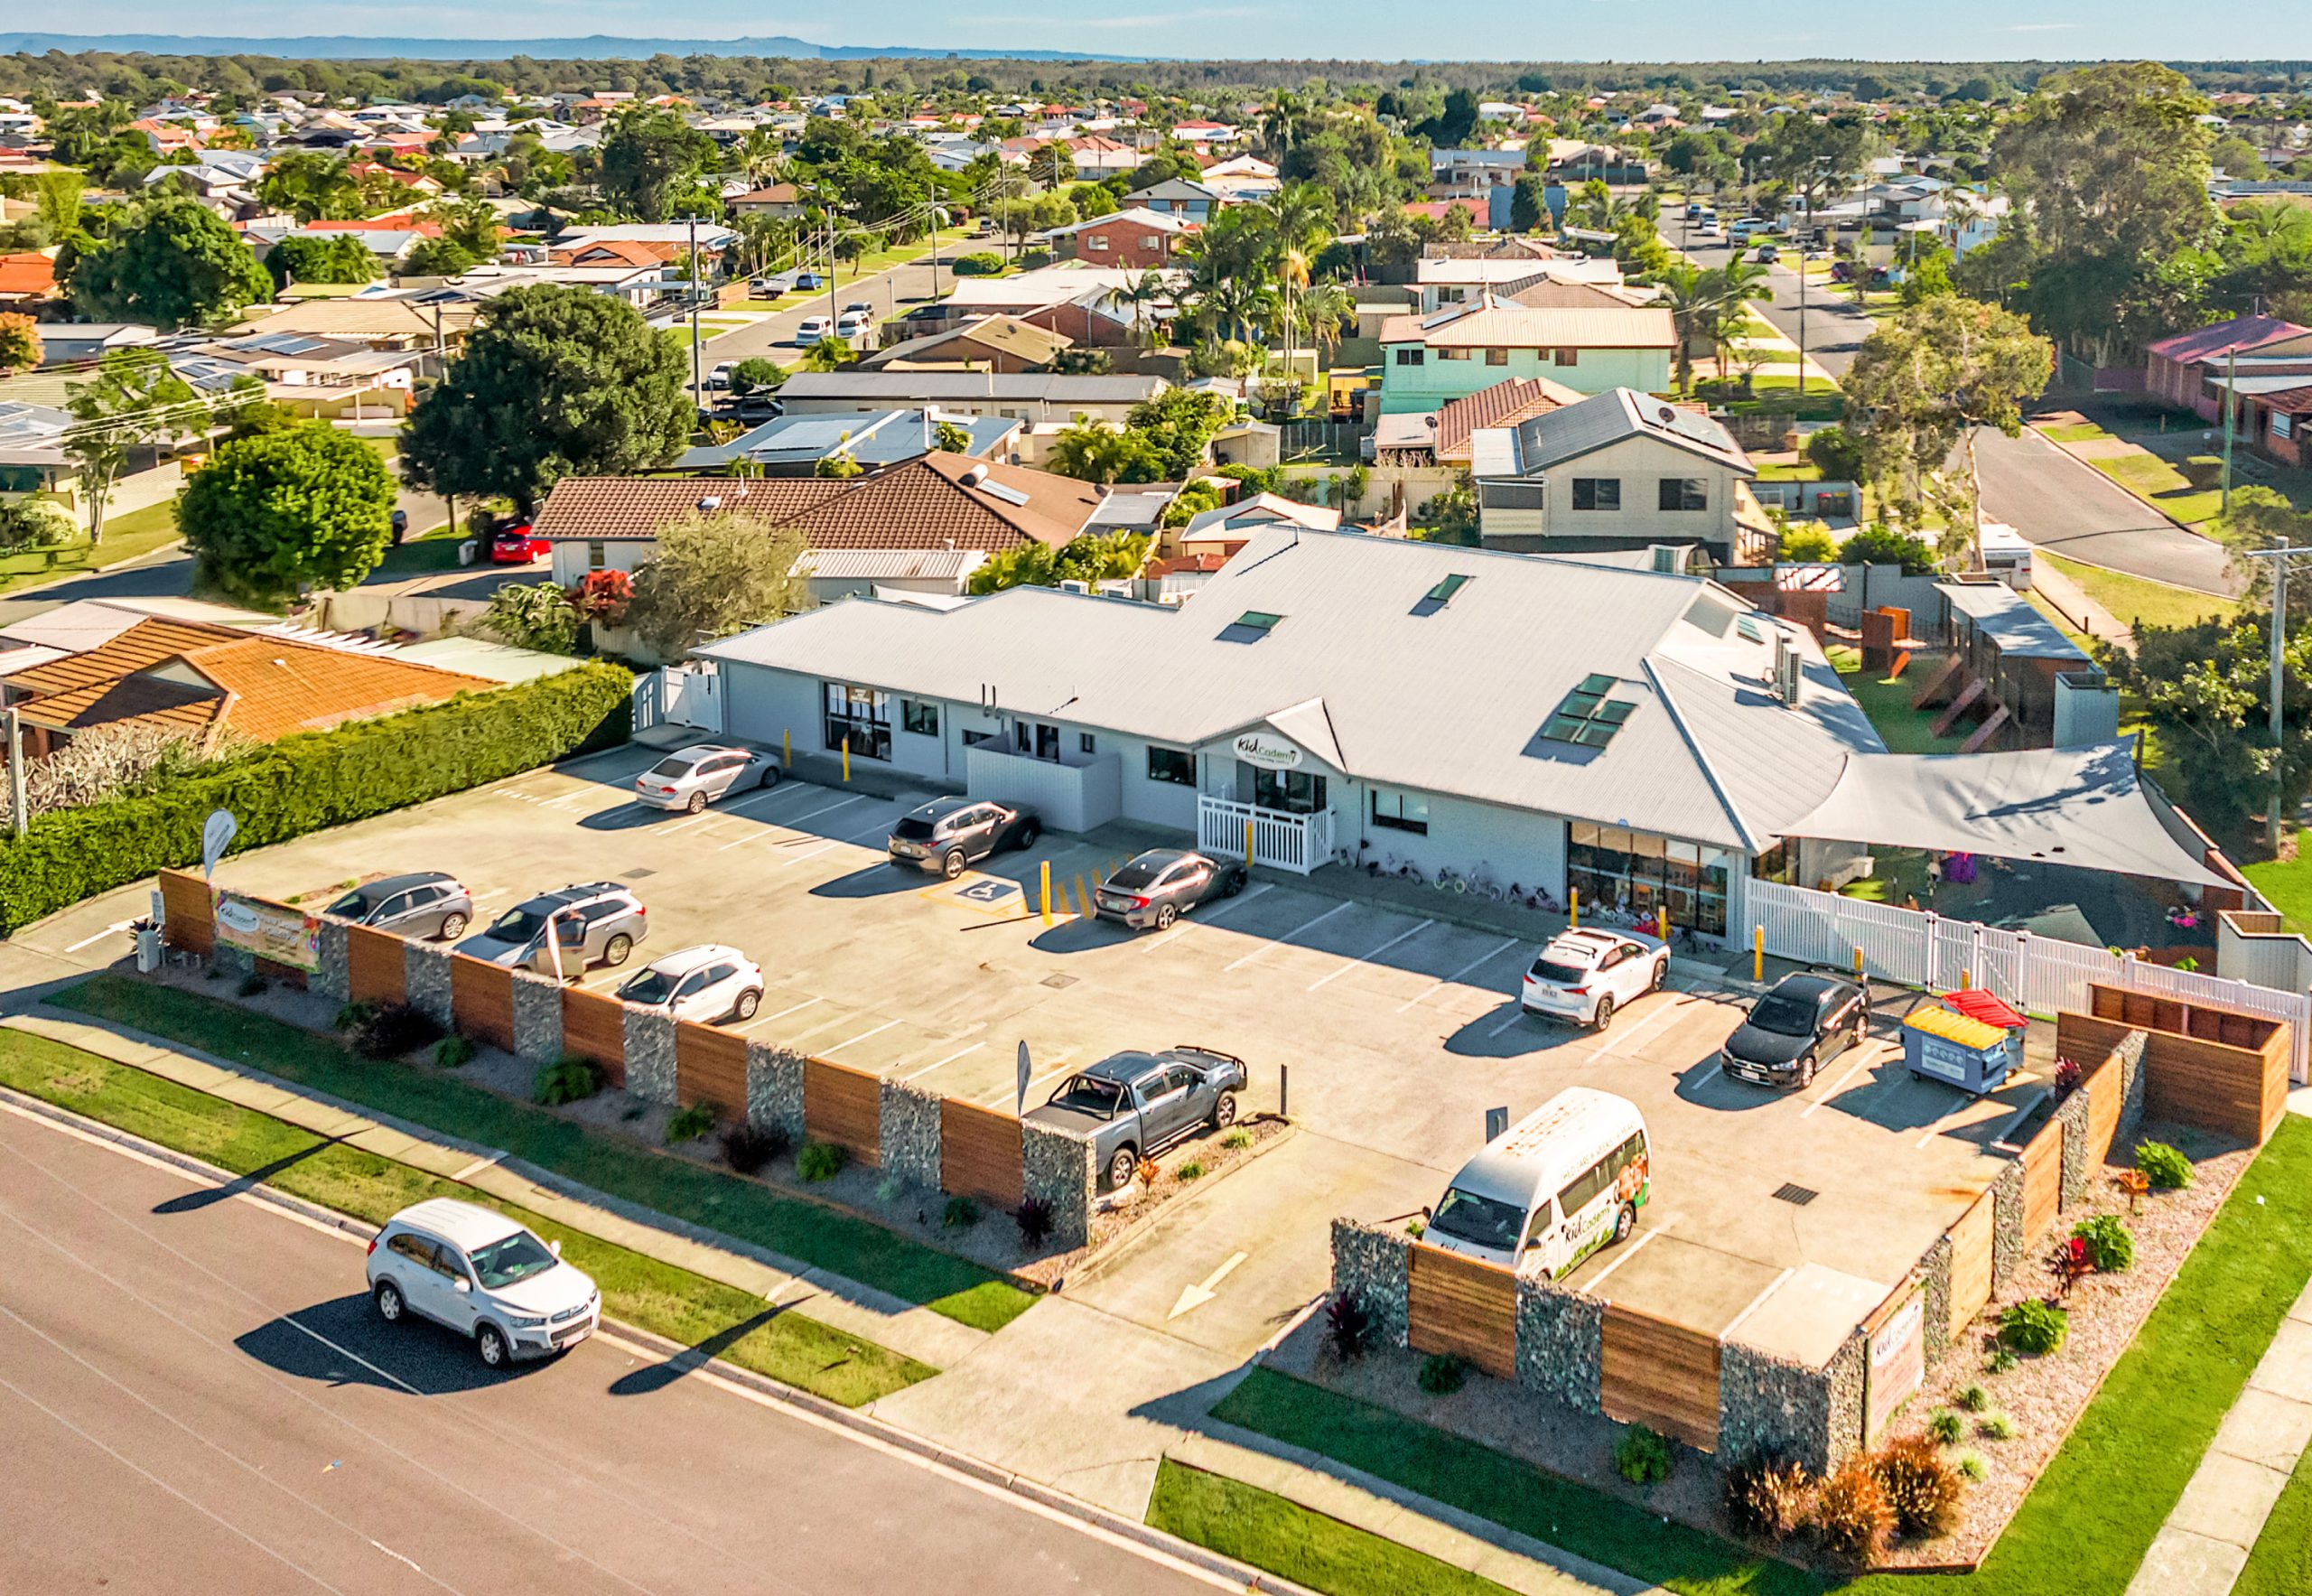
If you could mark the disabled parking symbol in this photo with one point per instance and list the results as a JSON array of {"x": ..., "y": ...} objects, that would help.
[{"x": 989, "y": 893}]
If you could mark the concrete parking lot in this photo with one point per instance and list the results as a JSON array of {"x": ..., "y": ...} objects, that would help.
[{"x": 1395, "y": 1032}]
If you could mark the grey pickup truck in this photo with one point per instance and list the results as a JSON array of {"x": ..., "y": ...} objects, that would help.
[{"x": 1136, "y": 1104}]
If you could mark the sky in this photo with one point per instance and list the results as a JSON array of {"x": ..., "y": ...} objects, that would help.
[{"x": 1567, "y": 30}]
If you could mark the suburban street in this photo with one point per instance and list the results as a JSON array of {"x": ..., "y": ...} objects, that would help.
[
  {"x": 196, "y": 1396},
  {"x": 891, "y": 293}
]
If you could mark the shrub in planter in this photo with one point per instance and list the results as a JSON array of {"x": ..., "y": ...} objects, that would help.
[
  {"x": 1766, "y": 1499},
  {"x": 568, "y": 1079},
  {"x": 2167, "y": 1169},
  {"x": 1033, "y": 1217},
  {"x": 393, "y": 1029},
  {"x": 1442, "y": 1374},
  {"x": 1973, "y": 1465},
  {"x": 2108, "y": 1246},
  {"x": 1999, "y": 1362},
  {"x": 1974, "y": 1399},
  {"x": 1349, "y": 1328},
  {"x": 1945, "y": 1426},
  {"x": 979, "y": 263},
  {"x": 1642, "y": 1457},
  {"x": 351, "y": 1015},
  {"x": 747, "y": 1147},
  {"x": 1921, "y": 1490},
  {"x": 960, "y": 1214},
  {"x": 2068, "y": 1077},
  {"x": 1995, "y": 1426},
  {"x": 1190, "y": 1170},
  {"x": 1851, "y": 1513},
  {"x": 2032, "y": 1326},
  {"x": 690, "y": 1124},
  {"x": 453, "y": 1051},
  {"x": 820, "y": 1161}
]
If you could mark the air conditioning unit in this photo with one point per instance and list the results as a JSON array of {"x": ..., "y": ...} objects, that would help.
[
  {"x": 1786, "y": 674},
  {"x": 1072, "y": 585}
]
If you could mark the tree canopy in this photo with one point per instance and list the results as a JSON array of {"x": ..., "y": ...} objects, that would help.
[
  {"x": 305, "y": 507},
  {"x": 174, "y": 263},
  {"x": 650, "y": 160},
  {"x": 712, "y": 575}
]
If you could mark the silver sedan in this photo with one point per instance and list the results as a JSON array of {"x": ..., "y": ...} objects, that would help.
[{"x": 692, "y": 778}]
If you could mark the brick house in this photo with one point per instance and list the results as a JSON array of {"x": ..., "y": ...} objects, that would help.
[{"x": 1133, "y": 240}]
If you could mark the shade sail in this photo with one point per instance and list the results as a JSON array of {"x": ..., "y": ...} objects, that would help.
[{"x": 2080, "y": 806}]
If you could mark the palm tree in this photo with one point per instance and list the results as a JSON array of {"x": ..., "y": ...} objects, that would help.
[
  {"x": 1692, "y": 296},
  {"x": 1139, "y": 301},
  {"x": 1739, "y": 282},
  {"x": 1324, "y": 309}
]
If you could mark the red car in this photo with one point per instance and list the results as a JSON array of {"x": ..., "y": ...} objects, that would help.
[{"x": 515, "y": 545}]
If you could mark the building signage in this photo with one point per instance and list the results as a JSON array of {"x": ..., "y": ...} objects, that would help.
[
  {"x": 1274, "y": 754},
  {"x": 1898, "y": 1362},
  {"x": 273, "y": 931}
]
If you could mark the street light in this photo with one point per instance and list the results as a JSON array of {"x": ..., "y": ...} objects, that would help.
[{"x": 2278, "y": 555}]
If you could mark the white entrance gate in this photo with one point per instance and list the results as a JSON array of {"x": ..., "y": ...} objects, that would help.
[
  {"x": 1288, "y": 842},
  {"x": 679, "y": 695}
]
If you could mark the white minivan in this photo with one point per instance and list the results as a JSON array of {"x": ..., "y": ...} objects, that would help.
[{"x": 1562, "y": 1183}]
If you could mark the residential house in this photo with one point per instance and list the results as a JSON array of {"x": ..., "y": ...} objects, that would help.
[
  {"x": 1003, "y": 344},
  {"x": 391, "y": 239},
  {"x": 795, "y": 445},
  {"x": 1037, "y": 398},
  {"x": 1098, "y": 157},
  {"x": 782, "y": 200},
  {"x": 1225, "y": 530},
  {"x": 1468, "y": 170},
  {"x": 640, "y": 287},
  {"x": 32, "y": 451},
  {"x": 1482, "y": 210},
  {"x": 1441, "y": 436},
  {"x": 1136, "y": 239},
  {"x": 1177, "y": 197},
  {"x": 1203, "y": 133},
  {"x": 334, "y": 378},
  {"x": 75, "y": 343},
  {"x": 1428, "y": 359},
  {"x": 2190, "y": 369},
  {"x": 1451, "y": 280},
  {"x": 401, "y": 322},
  {"x": 27, "y": 281}
]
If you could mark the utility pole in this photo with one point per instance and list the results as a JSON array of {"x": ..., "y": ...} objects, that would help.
[
  {"x": 697, "y": 379},
  {"x": 17, "y": 820},
  {"x": 2278, "y": 555},
  {"x": 2231, "y": 403}
]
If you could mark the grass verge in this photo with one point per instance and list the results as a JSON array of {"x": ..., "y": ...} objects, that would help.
[
  {"x": 2132, "y": 600},
  {"x": 126, "y": 537},
  {"x": 2085, "y": 1526},
  {"x": 640, "y": 1291},
  {"x": 2162, "y": 487},
  {"x": 2288, "y": 885},
  {"x": 2281, "y": 1562},
  {"x": 2077, "y": 432},
  {"x": 846, "y": 1246}
]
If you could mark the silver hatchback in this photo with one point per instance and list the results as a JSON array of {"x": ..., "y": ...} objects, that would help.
[{"x": 690, "y": 779}]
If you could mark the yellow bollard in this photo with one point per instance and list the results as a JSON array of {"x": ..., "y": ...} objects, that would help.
[
  {"x": 1759, "y": 953},
  {"x": 1046, "y": 894},
  {"x": 1662, "y": 924},
  {"x": 1248, "y": 844},
  {"x": 1966, "y": 980},
  {"x": 846, "y": 758},
  {"x": 1858, "y": 964},
  {"x": 787, "y": 751},
  {"x": 1573, "y": 908}
]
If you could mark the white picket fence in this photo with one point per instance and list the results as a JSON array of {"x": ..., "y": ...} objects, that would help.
[{"x": 2039, "y": 974}]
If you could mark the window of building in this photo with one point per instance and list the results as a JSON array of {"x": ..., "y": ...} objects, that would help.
[
  {"x": 1096, "y": 241},
  {"x": 1410, "y": 357},
  {"x": 1565, "y": 357},
  {"x": 1636, "y": 873},
  {"x": 1292, "y": 792},
  {"x": 1588, "y": 716},
  {"x": 919, "y": 716},
  {"x": 596, "y": 556},
  {"x": 1597, "y": 494},
  {"x": 1451, "y": 295},
  {"x": 1685, "y": 493},
  {"x": 859, "y": 718},
  {"x": 1452, "y": 354},
  {"x": 1175, "y": 765},
  {"x": 1401, "y": 811},
  {"x": 1497, "y": 357},
  {"x": 1086, "y": 744}
]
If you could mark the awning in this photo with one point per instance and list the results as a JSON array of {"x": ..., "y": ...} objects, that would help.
[
  {"x": 2080, "y": 806},
  {"x": 2009, "y": 620}
]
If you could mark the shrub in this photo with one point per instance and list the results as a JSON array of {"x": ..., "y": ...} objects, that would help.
[
  {"x": 2167, "y": 1169},
  {"x": 395, "y": 1029},
  {"x": 960, "y": 1214},
  {"x": 1417, "y": 1229},
  {"x": 979, "y": 263},
  {"x": 1033, "y": 1216},
  {"x": 1190, "y": 1170},
  {"x": 1642, "y": 1457},
  {"x": 451, "y": 1051},
  {"x": 2068, "y": 1074},
  {"x": 1766, "y": 1500},
  {"x": 890, "y": 1190},
  {"x": 1808, "y": 544},
  {"x": 1347, "y": 1327},
  {"x": 820, "y": 1161},
  {"x": 747, "y": 1147},
  {"x": 2108, "y": 1245},
  {"x": 1851, "y": 1513},
  {"x": 1921, "y": 1490},
  {"x": 1999, "y": 1362},
  {"x": 1973, "y": 1466},
  {"x": 568, "y": 1079},
  {"x": 2033, "y": 1326},
  {"x": 253, "y": 983},
  {"x": 1836, "y": 452},
  {"x": 300, "y": 784},
  {"x": 1235, "y": 1141},
  {"x": 1995, "y": 1426},
  {"x": 690, "y": 1124},
  {"x": 1442, "y": 1374},
  {"x": 1945, "y": 1426},
  {"x": 1878, "y": 545},
  {"x": 348, "y": 1015},
  {"x": 1974, "y": 1399}
]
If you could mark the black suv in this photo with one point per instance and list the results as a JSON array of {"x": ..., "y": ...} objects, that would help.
[{"x": 1795, "y": 1029}]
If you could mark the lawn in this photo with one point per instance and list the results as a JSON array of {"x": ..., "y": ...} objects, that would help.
[
  {"x": 640, "y": 1291},
  {"x": 2134, "y": 599},
  {"x": 2085, "y": 1526},
  {"x": 127, "y": 536},
  {"x": 1904, "y": 730},
  {"x": 838, "y": 1242},
  {"x": 1263, "y": 1528},
  {"x": 2281, "y": 1563},
  {"x": 2077, "y": 432},
  {"x": 2161, "y": 486},
  {"x": 2288, "y": 885},
  {"x": 1789, "y": 470}
]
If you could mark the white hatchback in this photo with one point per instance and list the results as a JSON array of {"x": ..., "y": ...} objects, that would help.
[
  {"x": 1583, "y": 976},
  {"x": 482, "y": 1276},
  {"x": 814, "y": 330},
  {"x": 705, "y": 984}
]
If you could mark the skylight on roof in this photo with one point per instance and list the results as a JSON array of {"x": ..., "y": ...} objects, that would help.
[
  {"x": 1259, "y": 620},
  {"x": 1589, "y": 718},
  {"x": 1442, "y": 594}
]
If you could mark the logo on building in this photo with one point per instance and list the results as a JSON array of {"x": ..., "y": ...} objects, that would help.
[{"x": 1274, "y": 753}]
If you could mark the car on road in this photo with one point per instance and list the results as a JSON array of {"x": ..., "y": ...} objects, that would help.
[
  {"x": 1708, "y": 231},
  {"x": 594, "y": 922},
  {"x": 421, "y": 903},
  {"x": 720, "y": 376},
  {"x": 690, "y": 779},
  {"x": 481, "y": 1275},
  {"x": 1158, "y": 887},
  {"x": 854, "y": 325},
  {"x": 1803, "y": 1023},
  {"x": 813, "y": 330},
  {"x": 515, "y": 545},
  {"x": 1584, "y": 975},
  {"x": 1765, "y": 254},
  {"x": 1135, "y": 1104},
  {"x": 705, "y": 984},
  {"x": 948, "y": 834},
  {"x": 809, "y": 280}
]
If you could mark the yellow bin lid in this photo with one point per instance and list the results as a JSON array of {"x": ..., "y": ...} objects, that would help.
[{"x": 1957, "y": 1028}]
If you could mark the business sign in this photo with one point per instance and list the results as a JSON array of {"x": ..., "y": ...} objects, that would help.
[
  {"x": 1898, "y": 1362},
  {"x": 273, "y": 931},
  {"x": 1274, "y": 754}
]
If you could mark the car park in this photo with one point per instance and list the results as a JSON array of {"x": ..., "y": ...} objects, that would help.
[
  {"x": 479, "y": 1274},
  {"x": 1562, "y": 1183},
  {"x": 1159, "y": 886},
  {"x": 514, "y": 544},
  {"x": 1802, "y": 1024},
  {"x": 813, "y": 330},
  {"x": 690, "y": 779},
  {"x": 594, "y": 922},
  {"x": 421, "y": 903},
  {"x": 705, "y": 984},
  {"x": 1135, "y": 1104},
  {"x": 1584, "y": 975},
  {"x": 948, "y": 834}
]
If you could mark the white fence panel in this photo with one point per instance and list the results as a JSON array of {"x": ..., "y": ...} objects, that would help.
[{"x": 1287, "y": 842}]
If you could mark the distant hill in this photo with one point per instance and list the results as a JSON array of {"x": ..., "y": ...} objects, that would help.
[{"x": 594, "y": 47}]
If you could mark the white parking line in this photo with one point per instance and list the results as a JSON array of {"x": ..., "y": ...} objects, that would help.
[
  {"x": 794, "y": 1008},
  {"x": 857, "y": 797},
  {"x": 1835, "y": 1088},
  {"x": 950, "y": 1058},
  {"x": 1516, "y": 1014},
  {"x": 881, "y": 830},
  {"x": 1181, "y": 929},
  {"x": 1485, "y": 958},
  {"x": 1623, "y": 1041},
  {"x": 1376, "y": 953},
  {"x": 1295, "y": 931},
  {"x": 862, "y": 1036},
  {"x": 1757, "y": 1303},
  {"x": 116, "y": 926},
  {"x": 1628, "y": 1253},
  {"x": 714, "y": 812},
  {"x": 823, "y": 1025}
]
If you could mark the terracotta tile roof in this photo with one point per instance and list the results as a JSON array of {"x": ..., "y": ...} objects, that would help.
[
  {"x": 29, "y": 274},
  {"x": 2244, "y": 333},
  {"x": 594, "y": 508},
  {"x": 623, "y": 251},
  {"x": 1505, "y": 403}
]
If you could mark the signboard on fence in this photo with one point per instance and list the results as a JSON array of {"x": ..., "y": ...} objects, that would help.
[
  {"x": 1895, "y": 1364},
  {"x": 273, "y": 931}
]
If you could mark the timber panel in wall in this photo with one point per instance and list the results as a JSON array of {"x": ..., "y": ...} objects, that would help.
[
  {"x": 376, "y": 965},
  {"x": 711, "y": 1066},
  {"x": 980, "y": 1153},
  {"x": 1661, "y": 1375},
  {"x": 187, "y": 913},
  {"x": 1970, "y": 1248},
  {"x": 2042, "y": 1181},
  {"x": 594, "y": 1027},
  {"x": 2232, "y": 1091},
  {"x": 846, "y": 1107},
  {"x": 2105, "y": 1090},
  {"x": 481, "y": 999},
  {"x": 1463, "y": 1306}
]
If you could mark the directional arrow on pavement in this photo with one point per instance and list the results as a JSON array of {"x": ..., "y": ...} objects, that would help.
[{"x": 1196, "y": 1296}]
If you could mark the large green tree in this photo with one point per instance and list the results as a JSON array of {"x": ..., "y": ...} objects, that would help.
[
  {"x": 712, "y": 574},
  {"x": 173, "y": 263},
  {"x": 649, "y": 159},
  {"x": 552, "y": 382},
  {"x": 309, "y": 257},
  {"x": 308, "y": 506}
]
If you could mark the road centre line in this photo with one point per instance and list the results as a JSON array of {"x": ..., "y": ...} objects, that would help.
[
  {"x": 950, "y": 1058},
  {"x": 1376, "y": 953},
  {"x": 1485, "y": 958},
  {"x": 862, "y": 1036},
  {"x": 1280, "y": 942}
]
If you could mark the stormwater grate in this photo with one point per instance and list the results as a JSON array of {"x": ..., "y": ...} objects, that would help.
[
  {"x": 638, "y": 872},
  {"x": 1056, "y": 981},
  {"x": 1795, "y": 1195}
]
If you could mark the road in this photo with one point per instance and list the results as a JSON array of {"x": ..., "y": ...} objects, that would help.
[
  {"x": 195, "y": 1396},
  {"x": 891, "y": 292}
]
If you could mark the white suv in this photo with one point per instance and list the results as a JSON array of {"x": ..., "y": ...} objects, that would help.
[
  {"x": 704, "y": 984},
  {"x": 484, "y": 1277},
  {"x": 1583, "y": 976}
]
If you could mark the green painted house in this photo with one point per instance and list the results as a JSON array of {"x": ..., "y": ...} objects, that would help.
[{"x": 1427, "y": 361}]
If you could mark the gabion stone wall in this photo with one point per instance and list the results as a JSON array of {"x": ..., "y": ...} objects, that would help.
[
  {"x": 2131, "y": 1052},
  {"x": 332, "y": 975},
  {"x": 1777, "y": 1407},
  {"x": 2007, "y": 1225},
  {"x": 1560, "y": 1343},
  {"x": 425, "y": 980},
  {"x": 2073, "y": 1114},
  {"x": 651, "y": 1056},
  {"x": 1936, "y": 1268},
  {"x": 1372, "y": 1265},
  {"x": 910, "y": 1134},
  {"x": 537, "y": 1017},
  {"x": 775, "y": 1089},
  {"x": 1058, "y": 1167}
]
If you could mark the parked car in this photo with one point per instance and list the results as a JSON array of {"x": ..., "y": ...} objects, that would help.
[
  {"x": 515, "y": 545},
  {"x": 479, "y": 1273},
  {"x": 1135, "y": 1104},
  {"x": 1795, "y": 1029},
  {"x": 771, "y": 287},
  {"x": 814, "y": 330},
  {"x": 705, "y": 984},
  {"x": 1562, "y": 1183},
  {"x": 720, "y": 376},
  {"x": 422, "y": 903},
  {"x": 754, "y": 409},
  {"x": 1693, "y": 208},
  {"x": 594, "y": 922},
  {"x": 807, "y": 279},
  {"x": 1161, "y": 885},
  {"x": 695, "y": 776},
  {"x": 948, "y": 834},
  {"x": 854, "y": 325},
  {"x": 1584, "y": 975}
]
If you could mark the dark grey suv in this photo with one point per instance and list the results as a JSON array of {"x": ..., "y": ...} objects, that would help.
[
  {"x": 1132, "y": 1105},
  {"x": 948, "y": 834},
  {"x": 423, "y": 903}
]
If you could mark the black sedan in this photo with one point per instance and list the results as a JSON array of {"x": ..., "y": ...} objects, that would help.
[
  {"x": 1161, "y": 885},
  {"x": 1795, "y": 1029}
]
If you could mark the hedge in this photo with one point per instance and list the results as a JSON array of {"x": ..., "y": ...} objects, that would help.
[
  {"x": 316, "y": 779},
  {"x": 982, "y": 263}
]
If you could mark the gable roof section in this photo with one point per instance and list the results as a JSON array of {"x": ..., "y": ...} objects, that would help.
[
  {"x": 989, "y": 335},
  {"x": 2242, "y": 332},
  {"x": 1505, "y": 403},
  {"x": 1493, "y": 324},
  {"x": 1558, "y": 435}
]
